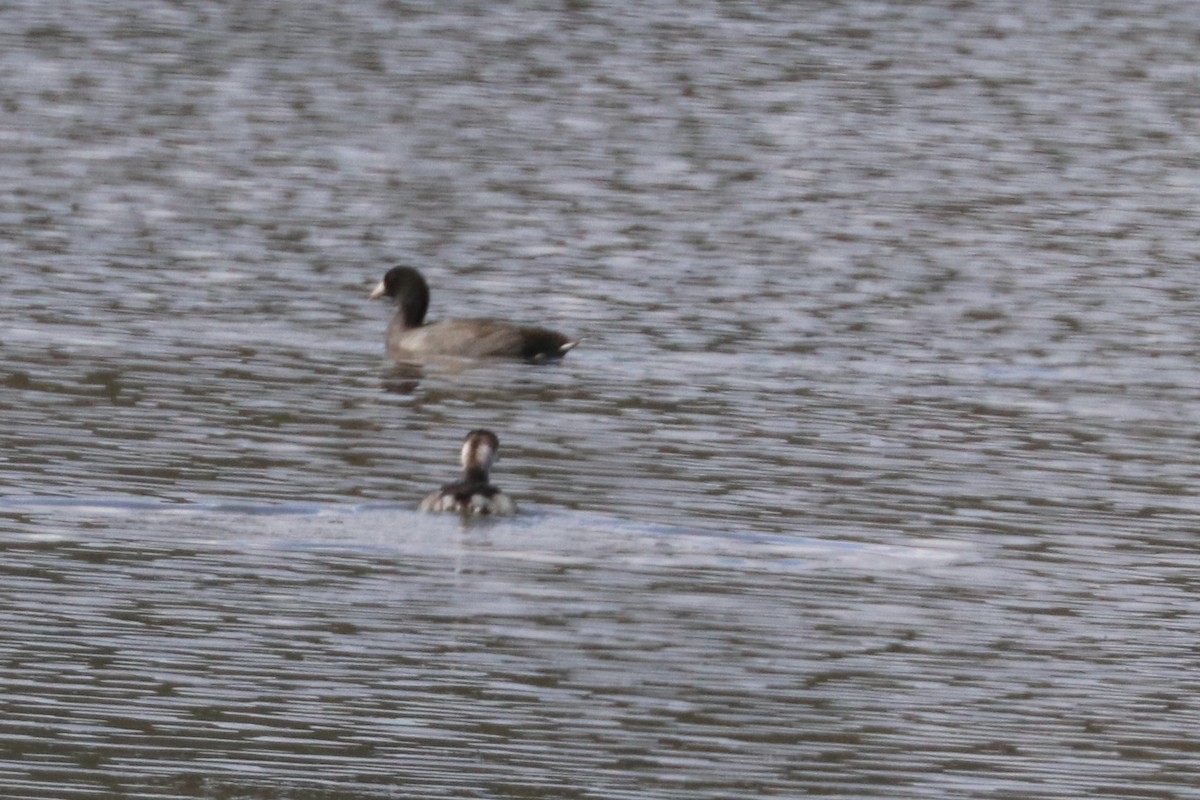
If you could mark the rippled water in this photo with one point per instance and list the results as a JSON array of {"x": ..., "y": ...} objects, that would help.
[{"x": 873, "y": 476}]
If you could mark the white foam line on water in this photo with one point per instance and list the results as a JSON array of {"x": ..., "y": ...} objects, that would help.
[{"x": 535, "y": 536}]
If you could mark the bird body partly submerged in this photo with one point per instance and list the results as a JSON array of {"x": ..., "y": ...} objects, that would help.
[
  {"x": 475, "y": 338},
  {"x": 409, "y": 336},
  {"x": 473, "y": 493},
  {"x": 461, "y": 497}
]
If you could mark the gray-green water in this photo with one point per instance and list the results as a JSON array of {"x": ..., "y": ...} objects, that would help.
[{"x": 872, "y": 478}]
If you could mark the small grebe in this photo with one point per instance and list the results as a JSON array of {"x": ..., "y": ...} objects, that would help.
[
  {"x": 472, "y": 494},
  {"x": 408, "y": 335}
]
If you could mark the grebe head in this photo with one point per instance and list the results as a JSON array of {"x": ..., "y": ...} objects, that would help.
[
  {"x": 479, "y": 452},
  {"x": 409, "y": 290}
]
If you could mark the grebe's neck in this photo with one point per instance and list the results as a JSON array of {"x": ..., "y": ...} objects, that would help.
[{"x": 475, "y": 474}]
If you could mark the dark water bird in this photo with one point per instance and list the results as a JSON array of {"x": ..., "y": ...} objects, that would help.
[
  {"x": 473, "y": 493},
  {"x": 408, "y": 335}
]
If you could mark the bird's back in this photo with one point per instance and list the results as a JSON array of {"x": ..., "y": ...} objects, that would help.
[{"x": 476, "y": 338}]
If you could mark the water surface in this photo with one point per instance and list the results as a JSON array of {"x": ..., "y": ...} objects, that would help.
[{"x": 873, "y": 476}]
